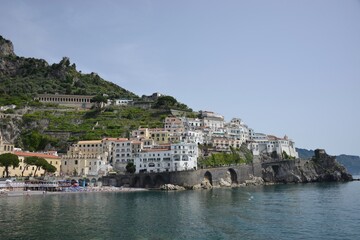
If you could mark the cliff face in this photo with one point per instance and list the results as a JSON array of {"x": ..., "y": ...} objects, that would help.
[
  {"x": 23, "y": 78},
  {"x": 321, "y": 168},
  {"x": 6, "y": 47}
]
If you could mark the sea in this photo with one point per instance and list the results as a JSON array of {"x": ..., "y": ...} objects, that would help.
[{"x": 286, "y": 211}]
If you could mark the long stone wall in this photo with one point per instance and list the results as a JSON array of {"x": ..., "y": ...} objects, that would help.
[{"x": 237, "y": 174}]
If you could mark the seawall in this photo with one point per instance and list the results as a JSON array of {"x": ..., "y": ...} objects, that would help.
[
  {"x": 322, "y": 168},
  {"x": 236, "y": 174}
]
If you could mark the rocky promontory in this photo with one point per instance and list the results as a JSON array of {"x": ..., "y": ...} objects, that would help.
[{"x": 321, "y": 168}]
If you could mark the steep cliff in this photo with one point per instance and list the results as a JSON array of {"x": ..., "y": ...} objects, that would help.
[
  {"x": 321, "y": 168},
  {"x": 350, "y": 162}
]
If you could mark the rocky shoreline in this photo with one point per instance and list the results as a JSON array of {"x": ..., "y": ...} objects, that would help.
[{"x": 321, "y": 168}]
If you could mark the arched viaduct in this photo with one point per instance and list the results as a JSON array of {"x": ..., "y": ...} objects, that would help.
[{"x": 237, "y": 174}]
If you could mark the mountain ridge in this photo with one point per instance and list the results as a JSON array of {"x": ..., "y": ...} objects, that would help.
[
  {"x": 22, "y": 78},
  {"x": 36, "y": 126}
]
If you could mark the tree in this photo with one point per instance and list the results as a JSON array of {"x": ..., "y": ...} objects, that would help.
[
  {"x": 7, "y": 160},
  {"x": 130, "y": 167},
  {"x": 48, "y": 168},
  {"x": 285, "y": 155},
  {"x": 40, "y": 163},
  {"x": 29, "y": 161},
  {"x": 165, "y": 102},
  {"x": 98, "y": 100}
]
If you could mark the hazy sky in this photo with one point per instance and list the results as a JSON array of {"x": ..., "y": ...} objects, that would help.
[{"x": 284, "y": 67}]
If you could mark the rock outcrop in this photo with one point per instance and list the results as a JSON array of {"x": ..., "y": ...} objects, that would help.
[
  {"x": 254, "y": 181},
  {"x": 322, "y": 168},
  {"x": 6, "y": 47},
  {"x": 171, "y": 187}
]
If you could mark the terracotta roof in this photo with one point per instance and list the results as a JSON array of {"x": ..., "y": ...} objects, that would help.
[
  {"x": 90, "y": 141},
  {"x": 33, "y": 154},
  {"x": 116, "y": 139}
]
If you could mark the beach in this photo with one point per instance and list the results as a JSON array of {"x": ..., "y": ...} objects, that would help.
[{"x": 28, "y": 193}]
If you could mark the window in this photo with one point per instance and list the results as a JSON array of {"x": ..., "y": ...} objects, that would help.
[
  {"x": 76, "y": 162},
  {"x": 65, "y": 163}
]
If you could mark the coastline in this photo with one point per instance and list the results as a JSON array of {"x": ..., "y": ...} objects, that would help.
[{"x": 23, "y": 193}]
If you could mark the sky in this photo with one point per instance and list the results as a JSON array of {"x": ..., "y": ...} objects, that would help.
[{"x": 283, "y": 67}]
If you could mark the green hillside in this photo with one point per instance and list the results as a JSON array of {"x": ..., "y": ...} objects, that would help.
[
  {"x": 35, "y": 126},
  {"x": 22, "y": 78}
]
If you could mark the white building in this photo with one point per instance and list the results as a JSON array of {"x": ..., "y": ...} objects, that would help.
[
  {"x": 122, "y": 102},
  {"x": 176, "y": 157},
  {"x": 267, "y": 144},
  {"x": 281, "y": 145},
  {"x": 123, "y": 152},
  {"x": 213, "y": 122},
  {"x": 193, "y": 136},
  {"x": 237, "y": 129},
  {"x": 192, "y": 123}
]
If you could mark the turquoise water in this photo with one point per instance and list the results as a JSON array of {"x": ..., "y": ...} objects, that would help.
[{"x": 301, "y": 211}]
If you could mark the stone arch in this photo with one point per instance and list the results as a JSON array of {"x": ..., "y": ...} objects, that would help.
[
  {"x": 136, "y": 182},
  {"x": 159, "y": 180},
  {"x": 233, "y": 175},
  {"x": 125, "y": 181},
  {"x": 208, "y": 177},
  {"x": 148, "y": 183}
]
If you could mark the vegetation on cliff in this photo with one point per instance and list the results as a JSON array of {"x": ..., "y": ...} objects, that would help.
[
  {"x": 47, "y": 126},
  {"x": 53, "y": 128},
  {"x": 22, "y": 78},
  {"x": 237, "y": 156}
]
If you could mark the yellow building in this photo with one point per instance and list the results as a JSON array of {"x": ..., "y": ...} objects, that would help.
[
  {"x": 30, "y": 170},
  {"x": 5, "y": 147},
  {"x": 87, "y": 158},
  {"x": 159, "y": 135}
]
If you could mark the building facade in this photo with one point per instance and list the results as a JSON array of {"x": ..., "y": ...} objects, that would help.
[
  {"x": 78, "y": 101},
  {"x": 30, "y": 170},
  {"x": 86, "y": 158},
  {"x": 174, "y": 157}
]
